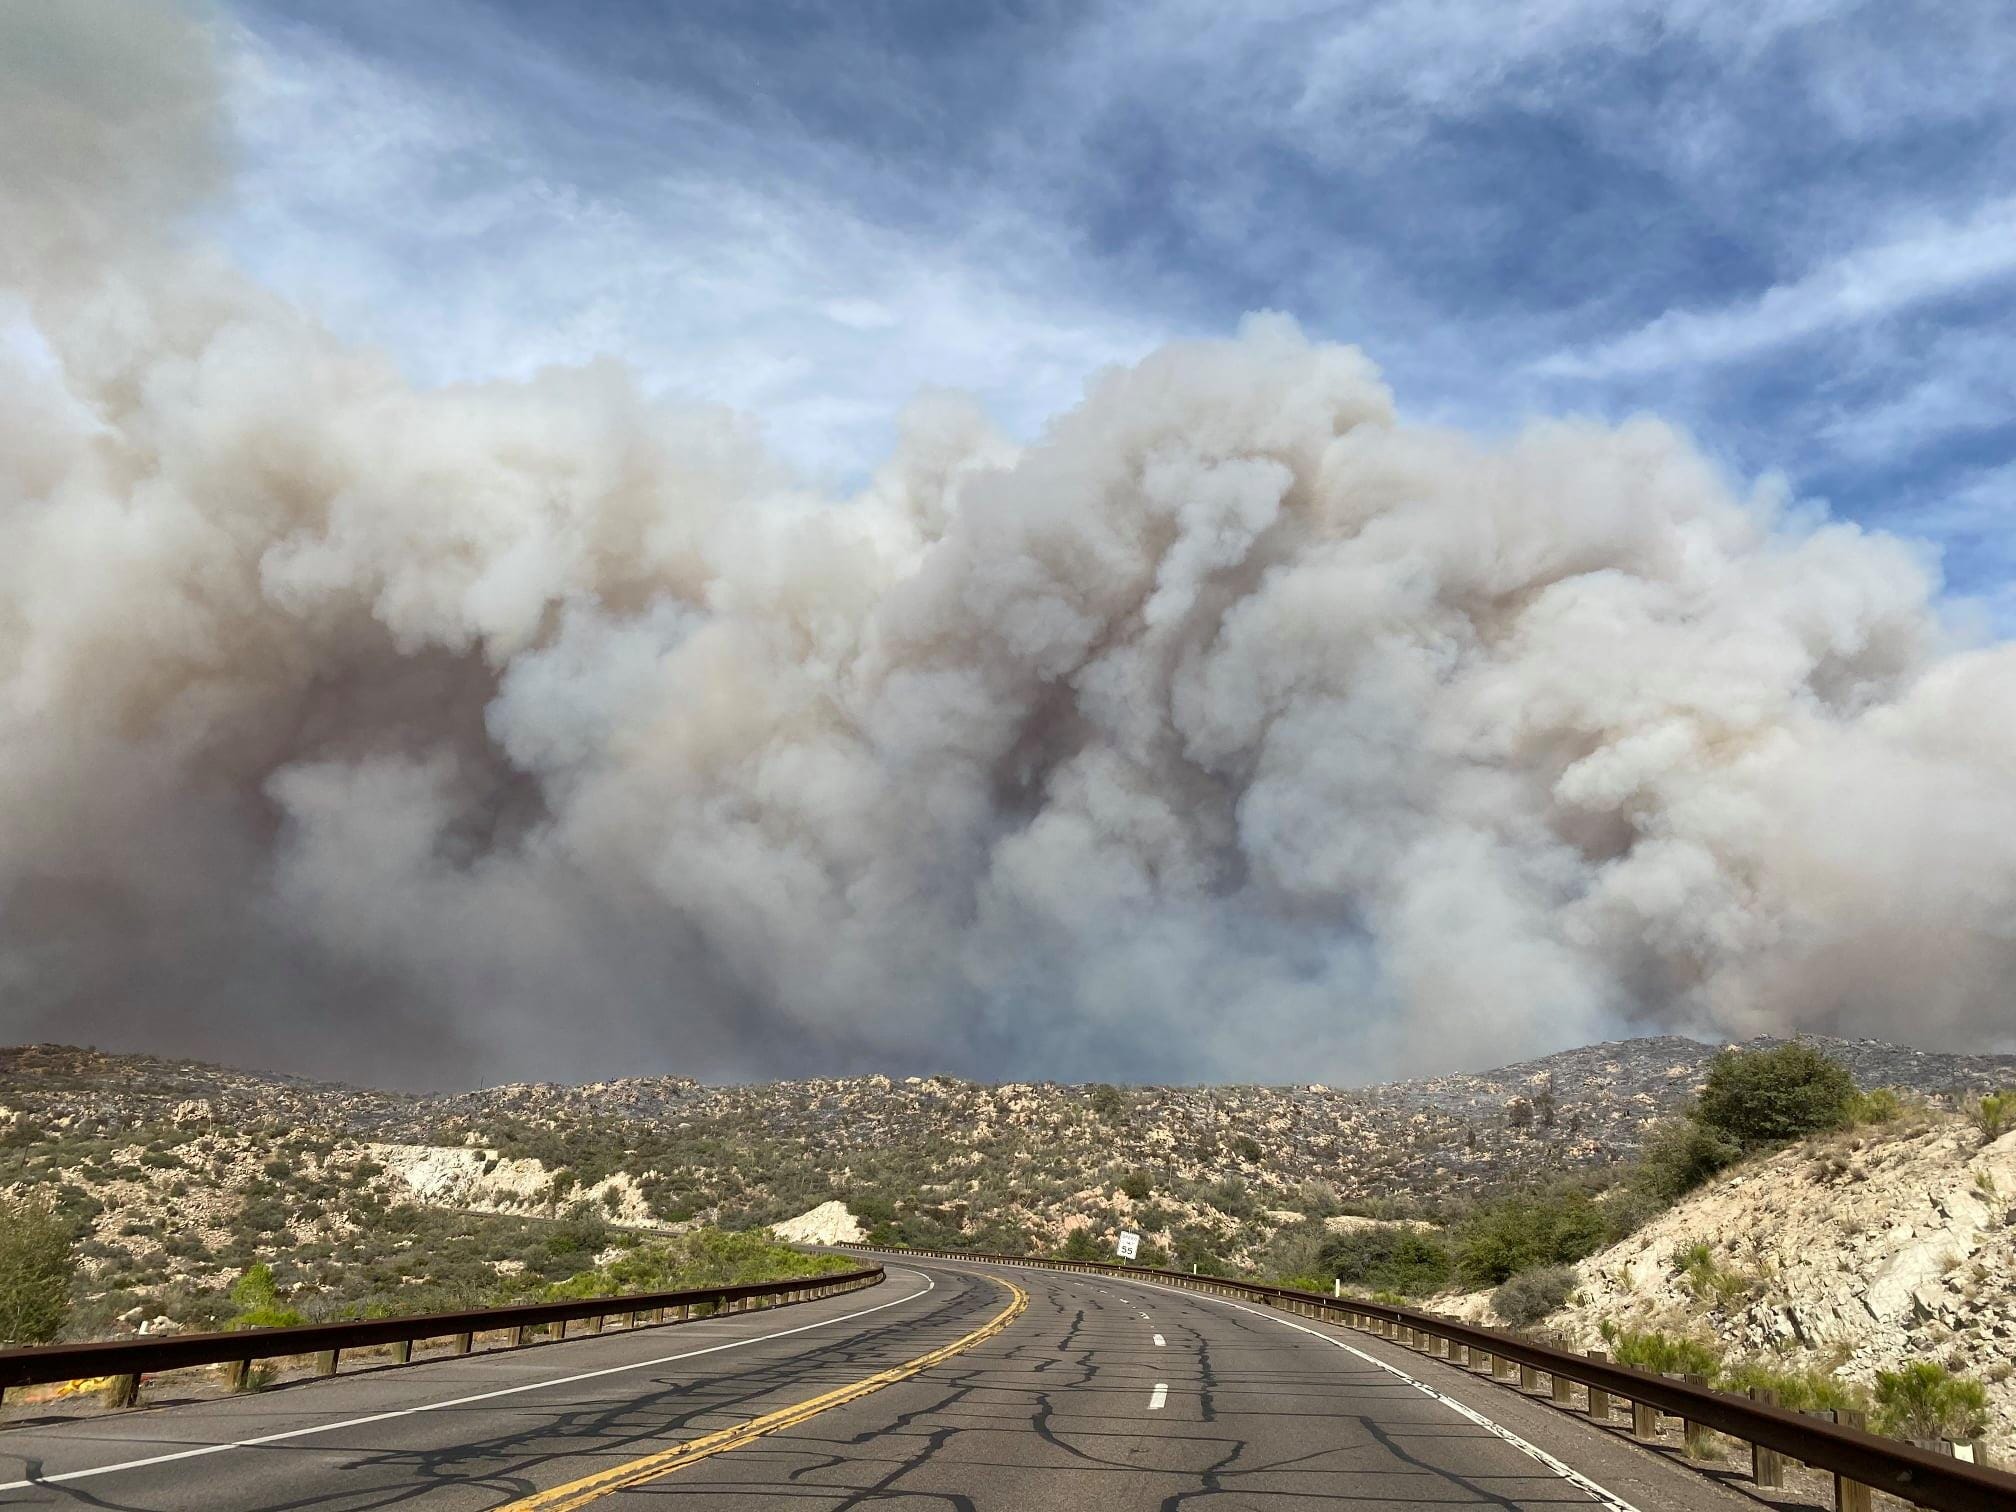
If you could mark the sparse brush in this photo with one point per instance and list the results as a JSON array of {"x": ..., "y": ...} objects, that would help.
[{"x": 1925, "y": 1400}]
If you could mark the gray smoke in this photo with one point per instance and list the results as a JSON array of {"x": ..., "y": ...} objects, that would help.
[{"x": 1236, "y": 727}]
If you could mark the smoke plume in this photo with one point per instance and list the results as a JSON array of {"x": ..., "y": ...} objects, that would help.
[{"x": 1235, "y": 727}]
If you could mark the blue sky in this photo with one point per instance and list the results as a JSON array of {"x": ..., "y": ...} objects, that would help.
[{"x": 1789, "y": 225}]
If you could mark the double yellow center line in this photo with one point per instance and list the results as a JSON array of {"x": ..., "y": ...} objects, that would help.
[{"x": 621, "y": 1477}]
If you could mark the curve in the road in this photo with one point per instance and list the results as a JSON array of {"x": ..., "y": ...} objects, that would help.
[{"x": 650, "y": 1467}]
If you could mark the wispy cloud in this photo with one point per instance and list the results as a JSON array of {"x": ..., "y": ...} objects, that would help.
[{"x": 1929, "y": 263}]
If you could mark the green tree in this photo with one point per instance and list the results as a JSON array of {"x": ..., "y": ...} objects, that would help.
[
  {"x": 1767, "y": 1097},
  {"x": 36, "y": 1267},
  {"x": 1137, "y": 1185},
  {"x": 1389, "y": 1259},
  {"x": 1083, "y": 1246},
  {"x": 1554, "y": 1226}
]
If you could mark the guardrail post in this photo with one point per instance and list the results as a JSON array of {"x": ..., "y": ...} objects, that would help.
[
  {"x": 1599, "y": 1399},
  {"x": 1850, "y": 1496},
  {"x": 402, "y": 1352},
  {"x": 1480, "y": 1361},
  {"x": 1767, "y": 1466},
  {"x": 521, "y": 1335},
  {"x": 325, "y": 1362},
  {"x": 123, "y": 1392},
  {"x": 464, "y": 1342},
  {"x": 1529, "y": 1378},
  {"x": 595, "y": 1323},
  {"x": 1501, "y": 1368},
  {"x": 1563, "y": 1388},
  {"x": 1459, "y": 1354},
  {"x": 1693, "y": 1434},
  {"x": 1644, "y": 1420},
  {"x": 240, "y": 1376}
]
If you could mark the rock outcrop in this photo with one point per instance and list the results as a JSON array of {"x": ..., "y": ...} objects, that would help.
[{"x": 828, "y": 1223}]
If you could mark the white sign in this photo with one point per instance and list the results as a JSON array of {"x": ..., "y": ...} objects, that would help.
[{"x": 1129, "y": 1245}]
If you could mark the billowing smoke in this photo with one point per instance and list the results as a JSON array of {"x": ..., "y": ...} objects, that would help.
[{"x": 1236, "y": 727}]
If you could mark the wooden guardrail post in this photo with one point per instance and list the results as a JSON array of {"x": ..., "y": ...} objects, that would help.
[
  {"x": 123, "y": 1392},
  {"x": 1563, "y": 1388},
  {"x": 1767, "y": 1466},
  {"x": 1501, "y": 1368},
  {"x": 464, "y": 1342},
  {"x": 402, "y": 1352},
  {"x": 1529, "y": 1378},
  {"x": 239, "y": 1376},
  {"x": 1850, "y": 1496},
  {"x": 1644, "y": 1420},
  {"x": 325, "y": 1362},
  {"x": 1694, "y": 1436},
  {"x": 1599, "y": 1399}
]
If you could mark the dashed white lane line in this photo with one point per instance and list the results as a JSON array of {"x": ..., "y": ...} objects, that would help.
[
  {"x": 1160, "y": 1342},
  {"x": 482, "y": 1396},
  {"x": 1160, "y": 1395},
  {"x": 1574, "y": 1477}
]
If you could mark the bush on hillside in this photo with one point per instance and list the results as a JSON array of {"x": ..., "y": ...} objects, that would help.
[
  {"x": 255, "y": 1296},
  {"x": 36, "y": 1267},
  {"x": 1767, "y": 1097},
  {"x": 1994, "y": 1115},
  {"x": 701, "y": 1257},
  {"x": 1083, "y": 1245},
  {"x": 1925, "y": 1400},
  {"x": 1681, "y": 1154},
  {"x": 1552, "y": 1226},
  {"x": 1388, "y": 1259},
  {"x": 1797, "y": 1390},
  {"x": 1661, "y": 1353},
  {"x": 1533, "y": 1294}
]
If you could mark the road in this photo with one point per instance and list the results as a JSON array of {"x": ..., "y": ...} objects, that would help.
[{"x": 1099, "y": 1395}]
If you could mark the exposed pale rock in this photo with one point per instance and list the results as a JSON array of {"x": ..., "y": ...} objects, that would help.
[{"x": 828, "y": 1223}]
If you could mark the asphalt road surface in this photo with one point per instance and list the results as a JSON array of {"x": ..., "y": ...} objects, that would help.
[{"x": 1098, "y": 1396}]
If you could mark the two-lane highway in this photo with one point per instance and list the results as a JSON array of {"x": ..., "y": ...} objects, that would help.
[{"x": 942, "y": 1388}]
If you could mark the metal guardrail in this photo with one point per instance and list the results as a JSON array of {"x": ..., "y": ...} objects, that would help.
[
  {"x": 125, "y": 1361},
  {"x": 1858, "y": 1459}
]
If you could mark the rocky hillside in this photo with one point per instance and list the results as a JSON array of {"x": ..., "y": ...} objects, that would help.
[
  {"x": 184, "y": 1173},
  {"x": 1845, "y": 1255}
]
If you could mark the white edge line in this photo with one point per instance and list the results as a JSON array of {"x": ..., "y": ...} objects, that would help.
[
  {"x": 1160, "y": 1342},
  {"x": 1574, "y": 1477},
  {"x": 483, "y": 1396}
]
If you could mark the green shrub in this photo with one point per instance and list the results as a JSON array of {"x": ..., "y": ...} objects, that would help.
[
  {"x": 1532, "y": 1294},
  {"x": 1994, "y": 1115},
  {"x": 1553, "y": 1226},
  {"x": 1767, "y": 1097},
  {"x": 36, "y": 1269},
  {"x": 1661, "y": 1353},
  {"x": 1680, "y": 1155},
  {"x": 1137, "y": 1185},
  {"x": 1879, "y": 1105},
  {"x": 1798, "y": 1390},
  {"x": 256, "y": 1297},
  {"x": 1925, "y": 1400},
  {"x": 1389, "y": 1259},
  {"x": 1082, "y": 1245}
]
